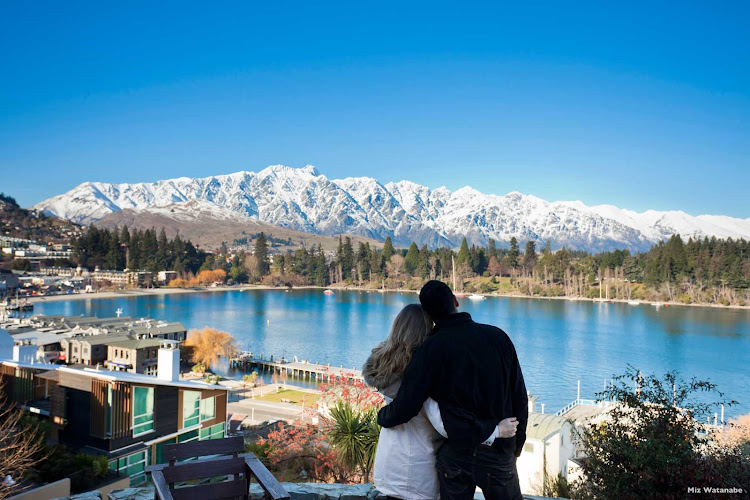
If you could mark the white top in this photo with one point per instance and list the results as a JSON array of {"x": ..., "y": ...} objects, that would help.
[{"x": 432, "y": 410}]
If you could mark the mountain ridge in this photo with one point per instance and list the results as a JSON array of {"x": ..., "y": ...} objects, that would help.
[
  {"x": 303, "y": 199},
  {"x": 208, "y": 225}
]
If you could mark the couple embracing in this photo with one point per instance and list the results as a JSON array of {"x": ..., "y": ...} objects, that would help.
[{"x": 458, "y": 406}]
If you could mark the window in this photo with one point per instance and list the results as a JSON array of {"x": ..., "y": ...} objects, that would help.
[
  {"x": 213, "y": 432},
  {"x": 208, "y": 408},
  {"x": 188, "y": 436},
  {"x": 159, "y": 453},
  {"x": 143, "y": 410},
  {"x": 191, "y": 406},
  {"x": 133, "y": 466}
]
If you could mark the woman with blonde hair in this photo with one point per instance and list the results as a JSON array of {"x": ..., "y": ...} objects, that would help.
[{"x": 405, "y": 459}]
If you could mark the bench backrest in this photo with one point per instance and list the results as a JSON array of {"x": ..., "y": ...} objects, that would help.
[
  {"x": 226, "y": 446},
  {"x": 243, "y": 466}
]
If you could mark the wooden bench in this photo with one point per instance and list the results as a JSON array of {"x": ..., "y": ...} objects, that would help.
[{"x": 241, "y": 466}]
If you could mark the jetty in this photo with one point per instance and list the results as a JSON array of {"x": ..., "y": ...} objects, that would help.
[{"x": 296, "y": 369}]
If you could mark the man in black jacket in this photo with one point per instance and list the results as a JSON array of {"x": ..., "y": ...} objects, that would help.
[{"x": 472, "y": 371}]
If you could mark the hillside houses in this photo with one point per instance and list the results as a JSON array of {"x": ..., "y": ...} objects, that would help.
[
  {"x": 86, "y": 340},
  {"x": 125, "y": 417}
]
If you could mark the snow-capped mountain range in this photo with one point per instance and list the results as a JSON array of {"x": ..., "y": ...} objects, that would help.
[{"x": 305, "y": 200}]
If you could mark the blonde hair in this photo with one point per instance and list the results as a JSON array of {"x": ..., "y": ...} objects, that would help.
[{"x": 390, "y": 358}]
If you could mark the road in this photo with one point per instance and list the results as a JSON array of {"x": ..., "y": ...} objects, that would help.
[{"x": 262, "y": 411}]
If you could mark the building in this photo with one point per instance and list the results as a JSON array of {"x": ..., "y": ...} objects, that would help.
[
  {"x": 89, "y": 349},
  {"x": 126, "y": 417},
  {"x": 82, "y": 340},
  {"x": 171, "y": 330},
  {"x": 8, "y": 282},
  {"x": 548, "y": 450},
  {"x": 124, "y": 278},
  {"x": 48, "y": 344},
  {"x": 164, "y": 277},
  {"x": 138, "y": 355}
]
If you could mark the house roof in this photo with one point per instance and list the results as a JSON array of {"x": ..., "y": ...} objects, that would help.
[
  {"x": 138, "y": 378},
  {"x": 159, "y": 328},
  {"x": 542, "y": 425},
  {"x": 42, "y": 338},
  {"x": 49, "y": 374},
  {"x": 104, "y": 338},
  {"x": 137, "y": 343},
  {"x": 24, "y": 364}
]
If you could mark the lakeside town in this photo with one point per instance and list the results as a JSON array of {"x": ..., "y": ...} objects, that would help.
[
  {"x": 374, "y": 251},
  {"x": 58, "y": 368}
]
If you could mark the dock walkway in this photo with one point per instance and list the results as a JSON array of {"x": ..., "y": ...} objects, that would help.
[{"x": 297, "y": 369}]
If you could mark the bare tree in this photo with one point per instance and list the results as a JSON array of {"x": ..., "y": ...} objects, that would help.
[
  {"x": 395, "y": 266},
  {"x": 22, "y": 446}
]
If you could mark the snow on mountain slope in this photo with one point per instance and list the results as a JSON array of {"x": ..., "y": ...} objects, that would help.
[{"x": 305, "y": 200}]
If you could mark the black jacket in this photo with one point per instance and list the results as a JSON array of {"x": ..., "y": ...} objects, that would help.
[{"x": 472, "y": 371}]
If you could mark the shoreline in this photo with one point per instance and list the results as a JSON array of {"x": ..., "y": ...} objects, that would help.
[{"x": 139, "y": 292}]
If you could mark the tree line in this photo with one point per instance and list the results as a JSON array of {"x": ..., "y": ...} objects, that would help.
[
  {"x": 122, "y": 248},
  {"x": 708, "y": 270}
]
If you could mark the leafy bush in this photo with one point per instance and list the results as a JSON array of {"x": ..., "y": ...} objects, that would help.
[
  {"x": 654, "y": 443},
  {"x": 86, "y": 472}
]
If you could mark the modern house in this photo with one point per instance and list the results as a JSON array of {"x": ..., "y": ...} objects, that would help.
[{"x": 126, "y": 417}]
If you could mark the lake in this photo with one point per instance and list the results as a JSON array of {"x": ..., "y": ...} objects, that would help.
[{"x": 559, "y": 342}]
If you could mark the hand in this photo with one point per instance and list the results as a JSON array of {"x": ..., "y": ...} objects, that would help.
[{"x": 507, "y": 427}]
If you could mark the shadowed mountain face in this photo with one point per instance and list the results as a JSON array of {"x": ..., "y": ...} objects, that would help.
[
  {"x": 209, "y": 225},
  {"x": 304, "y": 200}
]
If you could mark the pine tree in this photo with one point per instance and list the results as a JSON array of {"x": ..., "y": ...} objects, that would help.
[
  {"x": 492, "y": 249},
  {"x": 423, "y": 268},
  {"x": 463, "y": 254},
  {"x": 347, "y": 262},
  {"x": 513, "y": 253},
  {"x": 162, "y": 260},
  {"x": 387, "y": 249},
  {"x": 529, "y": 257},
  {"x": 261, "y": 255},
  {"x": 411, "y": 261}
]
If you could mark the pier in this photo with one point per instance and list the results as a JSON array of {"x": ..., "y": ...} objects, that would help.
[{"x": 296, "y": 369}]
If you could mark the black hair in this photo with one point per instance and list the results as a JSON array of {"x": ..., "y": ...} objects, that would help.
[{"x": 437, "y": 299}]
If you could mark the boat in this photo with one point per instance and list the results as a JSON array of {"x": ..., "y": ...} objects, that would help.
[
  {"x": 476, "y": 296},
  {"x": 657, "y": 304},
  {"x": 328, "y": 291},
  {"x": 634, "y": 303}
]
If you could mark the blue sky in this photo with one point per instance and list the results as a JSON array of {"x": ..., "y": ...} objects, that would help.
[{"x": 642, "y": 105}]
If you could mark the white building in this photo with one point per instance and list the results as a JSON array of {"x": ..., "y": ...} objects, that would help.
[{"x": 548, "y": 450}]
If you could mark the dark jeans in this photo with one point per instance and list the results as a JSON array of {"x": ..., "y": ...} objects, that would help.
[{"x": 461, "y": 471}]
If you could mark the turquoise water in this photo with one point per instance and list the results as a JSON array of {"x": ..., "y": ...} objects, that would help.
[{"x": 558, "y": 341}]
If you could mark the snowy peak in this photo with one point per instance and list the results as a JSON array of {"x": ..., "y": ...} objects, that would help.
[{"x": 304, "y": 199}]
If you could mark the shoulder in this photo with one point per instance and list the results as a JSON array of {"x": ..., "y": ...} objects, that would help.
[
  {"x": 498, "y": 333},
  {"x": 491, "y": 329}
]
